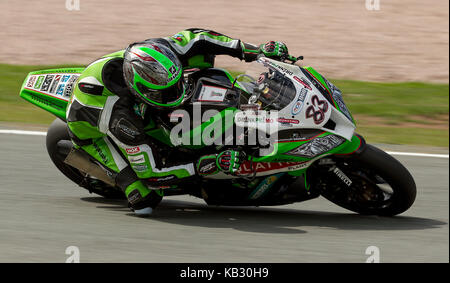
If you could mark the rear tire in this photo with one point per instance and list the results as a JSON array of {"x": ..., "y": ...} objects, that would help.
[
  {"x": 58, "y": 132},
  {"x": 369, "y": 171}
]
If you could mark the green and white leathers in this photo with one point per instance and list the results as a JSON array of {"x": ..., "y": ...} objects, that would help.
[{"x": 108, "y": 124}]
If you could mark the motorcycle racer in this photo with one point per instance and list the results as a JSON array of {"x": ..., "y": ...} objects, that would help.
[{"x": 107, "y": 109}]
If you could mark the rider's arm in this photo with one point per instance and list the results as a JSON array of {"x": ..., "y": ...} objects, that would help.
[{"x": 191, "y": 44}]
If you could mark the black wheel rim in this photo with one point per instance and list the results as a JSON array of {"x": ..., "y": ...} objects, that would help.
[{"x": 368, "y": 190}]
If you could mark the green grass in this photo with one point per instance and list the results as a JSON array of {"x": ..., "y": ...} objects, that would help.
[
  {"x": 394, "y": 104},
  {"x": 401, "y": 135},
  {"x": 12, "y": 107},
  {"x": 399, "y": 113}
]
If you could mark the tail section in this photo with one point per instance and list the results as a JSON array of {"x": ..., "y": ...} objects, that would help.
[{"x": 51, "y": 89}]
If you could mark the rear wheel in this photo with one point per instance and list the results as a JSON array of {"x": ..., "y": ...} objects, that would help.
[
  {"x": 372, "y": 182},
  {"x": 58, "y": 146}
]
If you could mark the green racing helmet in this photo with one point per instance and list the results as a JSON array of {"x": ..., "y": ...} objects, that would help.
[{"x": 154, "y": 74}]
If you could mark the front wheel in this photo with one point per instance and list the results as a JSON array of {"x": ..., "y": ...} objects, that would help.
[{"x": 372, "y": 182}]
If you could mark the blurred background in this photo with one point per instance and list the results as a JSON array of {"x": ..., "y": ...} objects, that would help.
[{"x": 392, "y": 64}]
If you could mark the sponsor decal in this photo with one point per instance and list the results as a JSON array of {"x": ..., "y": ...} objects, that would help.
[
  {"x": 288, "y": 121},
  {"x": 50, "y": 84},
  {"x": 298, "y": 105},
  {"x": 213, "y": 33},
  {"x": 304, "y": 83},
  {"x": 60, "y": 90},
  {"x": 134, "y": 196},
  {"x": 216, "y": 94},
  {"x": 341, "y": 175},
  {"x": 140, "y": 168},
  {"x": 69, "y": 87},
  {"x": 264, "y": 186},
  {"x": 212, "y": 94},
  {"x": 87, "y": 86},
  {"x": 162, "y": 179},
  {"x": 47, "y": 81},
  {"x": 254, "y": 119},
  {"x": 90, "y": 88},
  {"x": 31, "y": 81},
  {"x": 208, "y": 168},
  {"x": 172, "y": 69},
  {"x": 317, "y": 146},
  {"x": 55, "y": 84},
  {"x": 281, "y": 68},
  {"x": 341, "y": 104},
  {"x": 293, "y": 139},
  {"x": 199, "y": 30},
  {"x": 133, "y": 150},
  {"x": 39, "y": 82},
  {"x": 253, "y": 107},
  {"x": 137, "y": 158},
  {"x": 101, "y": 153},
  {"x": 174, "y": 117},
  {"x": 284, "y": 70},
  {"x": 65, "y": 78},
  {"x": 127, "y": 130},
  {"x": 164, "y": 187},
  {"x": 178, "y": 37},
  {"x": 299, "y": 166},
  {"x": 337, "y": 97},
  {"x": 260, "y": 167}
]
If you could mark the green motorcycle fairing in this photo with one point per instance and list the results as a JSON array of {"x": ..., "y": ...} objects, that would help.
[{"x": 51, "y": 91}]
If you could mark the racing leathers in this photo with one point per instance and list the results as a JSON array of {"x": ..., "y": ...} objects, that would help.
[{"x": 105, "y": 121}]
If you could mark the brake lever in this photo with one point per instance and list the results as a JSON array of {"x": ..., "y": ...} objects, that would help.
[{"x": 294, "y": 59}]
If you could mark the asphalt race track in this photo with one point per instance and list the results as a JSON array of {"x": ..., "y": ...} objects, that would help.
[{"x": 42, "y": 213}]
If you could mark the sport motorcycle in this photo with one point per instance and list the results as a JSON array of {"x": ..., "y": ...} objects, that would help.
[{"x": 306, "y": 145}]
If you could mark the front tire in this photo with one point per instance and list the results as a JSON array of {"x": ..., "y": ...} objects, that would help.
[{"x": 370, "y": 183}]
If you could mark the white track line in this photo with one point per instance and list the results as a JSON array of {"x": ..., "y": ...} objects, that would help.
[
  {"x": 418, "y": 154},
  {"x": 36, "y": 133},
  {"x": 19, "y": 132}
]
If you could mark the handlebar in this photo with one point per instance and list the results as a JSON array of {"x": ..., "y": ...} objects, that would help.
[
  {"x": 293, "y": 59},
  {"x": 288, "y": 57}
]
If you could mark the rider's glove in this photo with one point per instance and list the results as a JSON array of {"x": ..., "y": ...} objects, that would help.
[
  {"x": 227, "y": 161},
  {"x": 274, "y": 49}
]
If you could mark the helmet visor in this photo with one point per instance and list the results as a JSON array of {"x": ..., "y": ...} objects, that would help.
[{"x": 171, "y": 96}]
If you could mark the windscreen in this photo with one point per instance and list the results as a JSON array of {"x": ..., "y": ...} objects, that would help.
[
  {"x": 268, "y": 87},
  {"x": 277, "y": 92}
]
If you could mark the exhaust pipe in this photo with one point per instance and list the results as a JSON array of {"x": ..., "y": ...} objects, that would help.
[{"x": 81, "y": 161}]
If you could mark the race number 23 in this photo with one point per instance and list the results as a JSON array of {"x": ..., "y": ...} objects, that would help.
[{"x": 317, "y": 110}]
